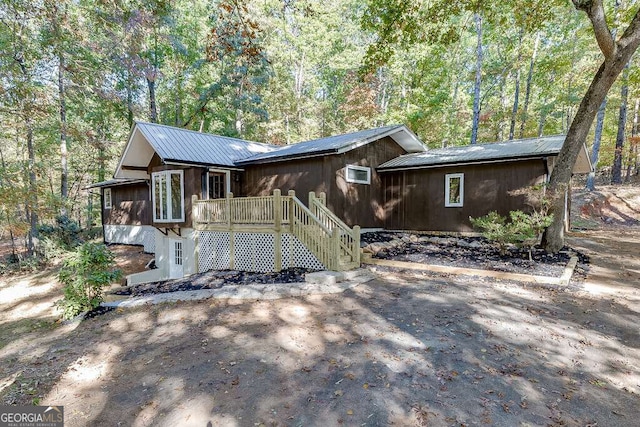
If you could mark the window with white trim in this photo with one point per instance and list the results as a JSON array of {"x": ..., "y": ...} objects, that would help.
[
  {"x": 168, "y": 196},
  {"x": 454, "y": 190},
  {"x": 218, "y": 184},
  {"x": 358, "y": 174},
  {"x": 107, "y": 198}
]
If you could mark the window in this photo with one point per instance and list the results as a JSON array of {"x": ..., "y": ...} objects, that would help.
[
  {"x": 358, "y": 174},
  {"x": 453, "y": 190},
  {"x": 107, "y": 198},
  {"x": 218, "y": 184},
  {"x": 168, "y": 196}
]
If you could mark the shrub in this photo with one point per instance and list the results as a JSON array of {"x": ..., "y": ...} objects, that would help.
[
  {"x": 65, "y": 235},
  {"x": 520, "y": 228},
  {"x": 85, "y": 273}
]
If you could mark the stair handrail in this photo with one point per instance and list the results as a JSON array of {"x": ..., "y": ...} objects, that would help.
[{"x": 349, "y": 237}]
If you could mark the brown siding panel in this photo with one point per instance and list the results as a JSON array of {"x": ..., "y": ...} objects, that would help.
[
  {"x": 356, "y": 204},
  {"x": 130, "y": 205},
  {"x": 418, "y": 202}
]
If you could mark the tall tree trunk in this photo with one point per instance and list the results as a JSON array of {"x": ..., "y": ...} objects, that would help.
[
  {"x": 503, "y": 107},
  {"x": 561, "y": 176},
  {"x": 542, "y": 121},
  {"x": 64, "y": 169},
  {"x": 595, "y": 150},
  {"x": 478, "y": 81},
  {"x": 616, "y": 172},
  {"x": 32, "y": 199},
  {"x": 514, "y": 110},
  {"x": 633, "y": 142},
  {"x": 527, "y": 94},
  {"x": 129, "y": 99},
  {"x": 153, "y": 112},
  {"x": 178, "y": 101}
]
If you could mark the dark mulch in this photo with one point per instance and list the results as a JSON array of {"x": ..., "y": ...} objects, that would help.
[
  {"x": 213, "y": 280},
  {"x": 98, "y": 311},
  {"x": 476, "y": 252}
]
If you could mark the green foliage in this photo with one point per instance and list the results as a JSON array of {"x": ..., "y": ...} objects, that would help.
[
  {"x": 520, "y": 229},
  {"x": 56, "y": 240},
  {"x": 85, "y": 274}
]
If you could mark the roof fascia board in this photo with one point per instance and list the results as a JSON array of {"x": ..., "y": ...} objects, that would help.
[
  {"x": 134, "y": 128},
  {"x": 366, "y": 141},
  {"x": 392, "y": 131},
  {"x": 444, "y": 165},
  {"x": 287, "y": 158},
  {"x": 342, "y": 150}
]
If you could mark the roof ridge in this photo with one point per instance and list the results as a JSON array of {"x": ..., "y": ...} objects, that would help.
[{"x": 388, "y": 127}]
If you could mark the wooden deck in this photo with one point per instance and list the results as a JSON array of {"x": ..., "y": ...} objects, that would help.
[{"x": 336, "y": 245}]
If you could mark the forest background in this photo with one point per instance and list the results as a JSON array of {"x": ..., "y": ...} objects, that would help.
[{"x": 76, "y": 74}]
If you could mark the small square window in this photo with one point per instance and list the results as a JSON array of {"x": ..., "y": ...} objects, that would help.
[
  {"x": 454, "y": 190},
  {"x": 107, "y": 198},
  {"x": 358, "y": 174}
]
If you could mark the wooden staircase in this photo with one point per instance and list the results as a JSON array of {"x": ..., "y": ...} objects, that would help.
[
  {"x": 334, "y": 243},
  {"x": 327, "y": 237}
]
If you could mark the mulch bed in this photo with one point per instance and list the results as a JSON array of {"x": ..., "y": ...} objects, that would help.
[
  {"x": 473, "y": 252},
  {"x": 213, "y": 280}
]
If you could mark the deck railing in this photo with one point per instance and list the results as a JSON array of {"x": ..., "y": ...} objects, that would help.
[{"x": 335, "y": 245}]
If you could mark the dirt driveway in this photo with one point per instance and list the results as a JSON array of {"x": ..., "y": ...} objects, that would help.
[{"x": 405, "y": 349}]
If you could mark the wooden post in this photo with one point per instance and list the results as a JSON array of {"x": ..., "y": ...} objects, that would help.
[
  {"x": 323, "y": 198},
  {"x": 335, "y": 250},
  {"x": 194, "y": 211},
  {"x": 232, "y": 237},
  {"x": 228, "y": 208},
  {"x": 277, "y": 237},
  {"x": 312, "y": 205},
  {"x": 291, "y": 194},
  {"x": 196, "y": 252},
  {"x": 356, "y": 245}
]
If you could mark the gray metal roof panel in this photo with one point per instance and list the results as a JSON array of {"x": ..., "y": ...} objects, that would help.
[
  {"x": 182, "y": 145},
  {"x": 330, "y": 144},
  {"x": 530, "y": 147}
]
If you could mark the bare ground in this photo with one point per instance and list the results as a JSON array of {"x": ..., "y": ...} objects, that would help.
[{"x": 405, "y": 349}]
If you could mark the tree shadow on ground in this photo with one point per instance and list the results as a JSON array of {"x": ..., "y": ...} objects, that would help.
[{"x": 408, "y": 350}]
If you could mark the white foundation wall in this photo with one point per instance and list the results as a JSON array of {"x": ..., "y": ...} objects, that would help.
[
  {"x": 131, "y": 235},
  {"x": 188, "y": 238}
]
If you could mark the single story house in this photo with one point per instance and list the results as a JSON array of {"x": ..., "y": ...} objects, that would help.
[{"x": 169, "y": 192}]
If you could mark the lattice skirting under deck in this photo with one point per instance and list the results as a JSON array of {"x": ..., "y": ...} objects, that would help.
[{"x": 251, "y": 252}]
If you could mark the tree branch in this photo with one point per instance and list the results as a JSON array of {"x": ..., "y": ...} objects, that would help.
[
  {"x": 595, "y": 12},
  {"x": 631, "y": 36}
]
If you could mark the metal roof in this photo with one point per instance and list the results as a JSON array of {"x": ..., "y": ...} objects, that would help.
[
  {"x": 114, "y": 182},
  {"x": 339, "y": 144},
  {"x": 477, "y": 153},
  {"x": 182, "y": 145}
]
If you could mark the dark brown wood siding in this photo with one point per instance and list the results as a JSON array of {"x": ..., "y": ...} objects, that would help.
[
  {"x": 415, "y": 199},
  {"x": 131, "y": 205},
  {"x": 356, "y": 204}
]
